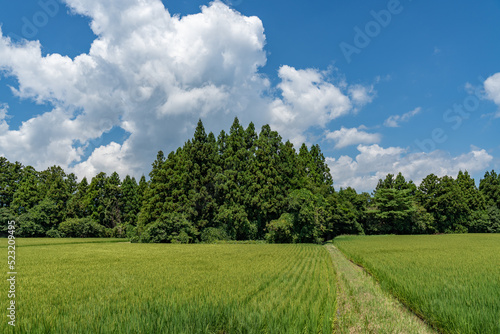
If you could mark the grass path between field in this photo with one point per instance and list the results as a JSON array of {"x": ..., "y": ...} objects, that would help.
[{"x": 362, "y": 305}]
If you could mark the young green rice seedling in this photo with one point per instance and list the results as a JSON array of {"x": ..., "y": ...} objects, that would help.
[
  {"x": 167, "y": 288},
  {"x": 452, "y": 281}
]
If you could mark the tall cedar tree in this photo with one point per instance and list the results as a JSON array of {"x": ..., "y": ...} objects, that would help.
[{"x": 243, "y": 185}]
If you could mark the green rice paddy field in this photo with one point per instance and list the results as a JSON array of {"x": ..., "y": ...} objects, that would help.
[
  {"x": 166, "y": 288},
  {"x": 111, "y": 286},
  {"x": 452, "y": 281}
]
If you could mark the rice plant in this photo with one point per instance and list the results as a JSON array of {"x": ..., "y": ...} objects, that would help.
[
  {"x": 167, "y": 288},
  {"x": 452, "y": 281}
]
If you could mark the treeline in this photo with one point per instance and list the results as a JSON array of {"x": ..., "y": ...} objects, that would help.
[{"x": 239, "y": 186}]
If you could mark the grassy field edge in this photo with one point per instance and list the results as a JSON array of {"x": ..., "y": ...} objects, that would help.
[
  {"x": 364, "y": 307},
  {"x": 33, "y": 242}
]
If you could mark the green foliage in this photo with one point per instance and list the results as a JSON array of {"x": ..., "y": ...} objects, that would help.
[
  {"x": 53, "y": 233},
  {"x": 310, "y": 215},
  {"x": 305, "y": 221},
  {"x": 38, "y": 219},
  {"x": 10, "y": 177},
  {"x": 170, "y": 227},
  {"x": 494, "y": 218},
  {"x": 6, "y": 215},
  {"x": 420, "y": 222},
  {"x": 239, "y": 182},
  {"x": 130, "y": 201},
  {"x": 212, "y": 234},
  {"x": 56, "y": 188},
  {"x": 344, "y": 215},
  {"x": 396, "y": 211},
  {"x": 267, "y": 191},
  {"x": 445, "y": 200},
  {"x": 79, "y": 203},
  {"x": 315, "y": 171},
  {"x": 490, "y": 188},
  {"x": 243, "y": 183},
  {"x": 234, "y": 220},
  {"x": 82, "y": 228},
  {"x": 398, "y": 183},
  {"x": 458, "y": 206},
  {"x": 119, "y": 231},
  {"x": 281, "y": 230},
  {"x": 28, "y": 193},
  {"x": 29, "y": 228}
]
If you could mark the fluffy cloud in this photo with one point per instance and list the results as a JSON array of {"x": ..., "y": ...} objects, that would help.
[
  {"x": 347, "y": 137},
  {"x": 395, "y": 120},
  {"x": 492, "y": 88},
  {"x": 106, "y": 157},
  {"x": 148, "y": 72},
  {"x": 42, "y": 141},
  {"x": 375, "y": 162},
  {"x": 154, "y": 74},
  {"x": 4, "y": 108},
  {"x": 361, "y": 95},
  {"x": 309, "y": 99}
]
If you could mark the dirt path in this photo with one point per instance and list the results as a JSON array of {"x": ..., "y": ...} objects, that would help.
[{"x": 363, "y": 307}]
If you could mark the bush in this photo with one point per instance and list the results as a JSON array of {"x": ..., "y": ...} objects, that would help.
[
  {"x": 132, "y": 231},
  {"x": 119, "y": 231},
  {"x": 494, "y": 217},
  {"x": 5, "y": 216},
  {"x": 212, "y": 234},
  {"x": 53, "y": 233},
  {"x": 233, "y": 220},
  {"x": 281, "y": 230},
  {"x": 181, "y": 238},
  {"x": 82, "y": 228},
  {"x": 29, "y": 229},
  {"x": 156, "y": 233},
  {"x": 170, "y": 227}
]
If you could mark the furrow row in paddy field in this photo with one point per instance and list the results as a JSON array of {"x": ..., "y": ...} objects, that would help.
[
  {"x": 451, "y": 280},
  {"x": 78, "y": 287},
  {"x": 364, "y": 307},
  {"x": 146, "y": 288}
]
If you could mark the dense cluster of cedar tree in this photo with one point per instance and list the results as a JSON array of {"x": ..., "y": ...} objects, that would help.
[{"x": 240, "y": 186}]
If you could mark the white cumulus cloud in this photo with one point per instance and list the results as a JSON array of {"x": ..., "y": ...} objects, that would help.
[
  {"x": 347, "y": 137},
  {"x": 395, "y": 120},
  {"x": 492, "y": 88},
  {"x": 154, "y": 75},
  {"x": 310, "y": 99},
  {"x": 361, "y": 95},
  {"x": 374, "y": 162}
]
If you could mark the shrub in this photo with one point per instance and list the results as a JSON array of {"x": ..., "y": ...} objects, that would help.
[
  {"x": 281, "y": 230},
  {"x": 494, "y": 217},
  {"x": 170, "y": 227},
  {"x": 213, "y": 234},
  {"x": 29, "y": 229},
  {"x": 132, "y": 231},
  {"x": 53, "y": 233},
  {"x": 5, "y": 216},
  {"x": 82, "y": 228},
  {"x": 119, "y": 231}
]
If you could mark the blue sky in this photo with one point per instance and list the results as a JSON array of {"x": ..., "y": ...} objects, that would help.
[{"x": 382, "y": 86}]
